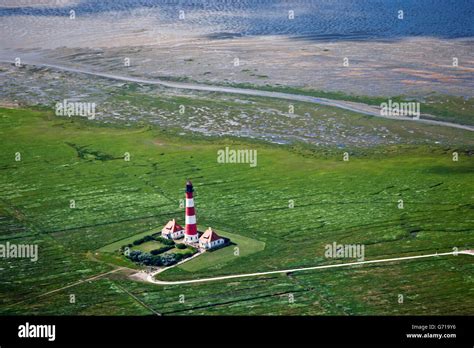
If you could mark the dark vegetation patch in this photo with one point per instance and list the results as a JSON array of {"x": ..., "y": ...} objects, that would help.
[{"x": 84, "y": 152}]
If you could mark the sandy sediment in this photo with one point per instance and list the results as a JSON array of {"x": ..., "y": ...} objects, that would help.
[{"x": 414, "y": 66}]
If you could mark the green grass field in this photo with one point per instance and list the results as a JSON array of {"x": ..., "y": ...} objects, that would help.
[
  {"x": 334, "y": 201},
  {"x": 148, "y": 246},
  {"x": 210, "y": 260},
  {"x": 115, "y": 246},
  {"x": 216, "y": 259}
]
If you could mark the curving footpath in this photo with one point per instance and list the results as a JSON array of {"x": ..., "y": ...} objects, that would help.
[
  {"x": 150, "y": 278},
  {"x": 341, "y": 104}
]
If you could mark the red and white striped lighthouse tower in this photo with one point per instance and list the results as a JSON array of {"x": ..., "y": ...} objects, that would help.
[{"x": 190, "y": 229}]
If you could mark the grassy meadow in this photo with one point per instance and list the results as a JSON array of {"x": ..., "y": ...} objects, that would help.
[{"x": 75, "y": 195}]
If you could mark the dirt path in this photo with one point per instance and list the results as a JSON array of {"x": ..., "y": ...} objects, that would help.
[
  {"x": 341, "y": 104},
  {"x": 140, "y": 302},
  {"x": 151, "y": 278},
  {"x": 81, "y": 281},
  {"x": 71, "y": 285}
]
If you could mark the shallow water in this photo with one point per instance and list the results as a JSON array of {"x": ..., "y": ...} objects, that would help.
[
  {"x": 318, "y": 20},
  {"x": 388, "y": 56}
]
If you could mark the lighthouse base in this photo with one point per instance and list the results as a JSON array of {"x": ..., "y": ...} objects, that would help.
[{"x": 194, "y": 238}]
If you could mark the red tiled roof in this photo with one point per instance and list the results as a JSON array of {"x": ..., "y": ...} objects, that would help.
[
  {"x": 209, "y": 236},
  {"x": 171, "y": 227}
]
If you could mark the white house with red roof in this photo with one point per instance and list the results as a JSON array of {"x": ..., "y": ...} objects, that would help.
[
  {"x": 210, "y": 239},
  {"x": 172, "y": 230}
]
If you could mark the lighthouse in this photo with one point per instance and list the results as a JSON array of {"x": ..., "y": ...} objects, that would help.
[{"x": 190, "y": 229}]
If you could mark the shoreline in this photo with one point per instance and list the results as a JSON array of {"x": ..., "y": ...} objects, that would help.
[{"x": 410, "y": 66}]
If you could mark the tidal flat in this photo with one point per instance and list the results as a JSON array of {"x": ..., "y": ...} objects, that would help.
[{"x": 222, "y": 114}]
